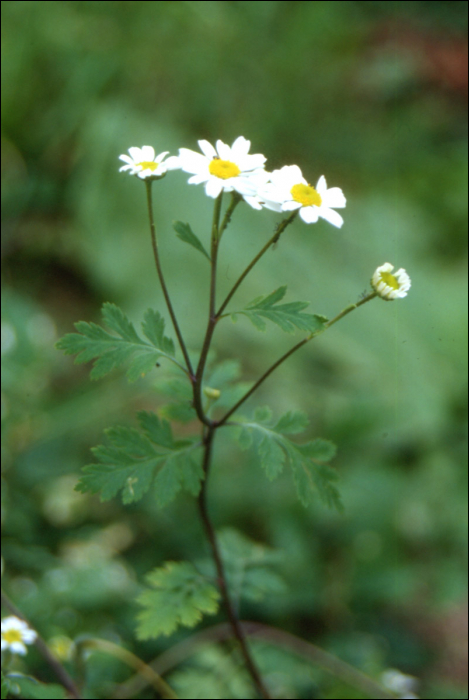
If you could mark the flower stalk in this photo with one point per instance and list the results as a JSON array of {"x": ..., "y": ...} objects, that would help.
[
  {"x": 290, "y": 352},
  {"x": 164, "y": 288}
]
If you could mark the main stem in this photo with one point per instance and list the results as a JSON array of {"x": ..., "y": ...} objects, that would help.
[
  {"x": 210, "y": 532},
  {"x": 163, "y": 283},
  {"x": 208, "y": 438}
]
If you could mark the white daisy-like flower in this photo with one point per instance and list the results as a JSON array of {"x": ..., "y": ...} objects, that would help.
[
  {"x": 226, "y": 168},
  {"x": 390, "y": 285},
  {"x": 144, "y": 163},
  {"x": 16, "y": 634},
  {"x": 288, "y": 190}
]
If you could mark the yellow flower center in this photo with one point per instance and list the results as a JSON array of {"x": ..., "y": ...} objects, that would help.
[
  {"x": 148, "y": 165},
  {"x": 390, "y": 280},
  {"x": 306, "y": 195},
  {"x": 12, "y": 636},
  {"x": 223, "y": 169}
]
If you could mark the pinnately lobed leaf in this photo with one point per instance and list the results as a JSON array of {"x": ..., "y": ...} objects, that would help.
[
  {"x": 134, "y": 460},
  {"x": 249, "y": 566},
  {"x": 287, "y": 316},
  {"x": 92, "y": 342},
  {"x": 308, "y": 462},
  {"x": 179, "y": 596}
]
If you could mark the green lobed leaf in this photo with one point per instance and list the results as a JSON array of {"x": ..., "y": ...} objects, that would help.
[
  {"x": 263, "y": 414},
  {"x": 288, "y": 316},
  {"x": 116, "y": 320},
  {"x": 179, "y": 596},
  {"x": 135, "y": 460},
  {"x": 292, "y": 423},
  {"x": 272, "y": 454},
  {"x": 158, "y": 431},
  {"x": 92, "y": 342},
  {"x": 311, "y": 474},
  {"x": 167, "y": 483},
  {"x": 186, "y": 234},
  {"x": 153, "y": 327},
  {"x": 248, "y": 566},
  {"x": 179, "y": 389},
  {"x": 244, "y": 437}
]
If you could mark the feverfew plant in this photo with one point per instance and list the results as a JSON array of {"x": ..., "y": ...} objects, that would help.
[{"x": 159, "y": 458}]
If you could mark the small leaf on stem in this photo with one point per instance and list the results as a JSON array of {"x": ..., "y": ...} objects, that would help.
[{"x": 186, "y": 234}]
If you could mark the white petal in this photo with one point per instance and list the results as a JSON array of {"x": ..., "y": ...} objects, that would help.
[
  {"x": 136, "y": 154},
  {"x": 198, "y": 179},
  {"x": 224, "y": 151},
  {"x": 291, "y": 205},
  {"x": 275, "y": 206},
  {"x": 240, "y": 147},
  {"x": 331, "y": 216},
  {"x": 289, "y": 175},
  {"x": 207, "y": 149},
  {"x": 213, "y": 187},
  {"x": 192, "y": 162},
  {"x": 321, "y": 186},
  {"x": 252, "y": 162},
  {"x": 161, "y": 156},
  {"x": 148, "y": 153},
  {"x": 253, "y": 202},
  {"x": 333, "y": 198},
  {"x": 309, "y": 214},
  {"x": 259, "y": 176},
  {"x": 173, "y": 163},
  {"x": 242, "y": 185},
  {"x": 387, "y": 267}
]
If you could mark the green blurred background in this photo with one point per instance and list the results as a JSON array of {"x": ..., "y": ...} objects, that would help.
[{"x": 374, "y": 96}]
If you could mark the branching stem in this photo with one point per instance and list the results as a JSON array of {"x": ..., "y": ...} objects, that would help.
[
  {"x": 278, "y": 232},
  {"x": 210, "y": 427},
  {"x": 284, "y": 357}
]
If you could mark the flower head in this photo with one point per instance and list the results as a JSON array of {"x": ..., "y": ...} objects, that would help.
[
  {"x": 16, "y": 634},
  {"x": 390, "y": 285},
  {"x": 226, "y": 168},
  {"x": 144, "y": 163},
  {"x": 288, "y": 190}
]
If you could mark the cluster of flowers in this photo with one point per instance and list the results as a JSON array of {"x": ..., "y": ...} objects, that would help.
[{"x": 231, "y": 168}]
